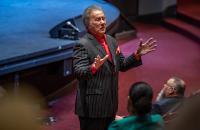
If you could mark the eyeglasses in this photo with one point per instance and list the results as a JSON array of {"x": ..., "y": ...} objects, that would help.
[{"x": 170, "y": 87}]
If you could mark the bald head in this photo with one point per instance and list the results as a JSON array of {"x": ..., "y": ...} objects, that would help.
[{"x": 175, "y": 86}]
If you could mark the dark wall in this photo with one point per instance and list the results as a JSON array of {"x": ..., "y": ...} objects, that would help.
[{"x": 127, "y": 7}]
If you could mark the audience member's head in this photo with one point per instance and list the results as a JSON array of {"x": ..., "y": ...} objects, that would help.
[
  {"x": 174, "y": 87},
  {"x": 140, "y": 98}
]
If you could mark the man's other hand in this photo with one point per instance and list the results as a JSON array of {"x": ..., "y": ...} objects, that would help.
[{"x": 98, "y": 61}]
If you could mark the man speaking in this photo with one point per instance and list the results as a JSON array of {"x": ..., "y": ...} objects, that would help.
[{"x": 97, "y": 61}]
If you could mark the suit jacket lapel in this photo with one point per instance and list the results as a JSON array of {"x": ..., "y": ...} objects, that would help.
[
  {"x": 98, "y": 49},
  {"x": 112, "y": 49}
]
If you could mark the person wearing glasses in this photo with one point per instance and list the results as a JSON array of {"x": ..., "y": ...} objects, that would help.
[{"x": 171, "y": 94}]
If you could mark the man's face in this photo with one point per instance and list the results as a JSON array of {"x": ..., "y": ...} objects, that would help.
[
  {"x": 97, "y": 23},
  {"x": 169, "y": 88}
]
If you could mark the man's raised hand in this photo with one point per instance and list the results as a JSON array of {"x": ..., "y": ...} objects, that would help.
[{"x": 146, "y": 47}]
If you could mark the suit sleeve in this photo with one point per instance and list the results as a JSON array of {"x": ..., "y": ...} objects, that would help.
[
  {"x": 126, "y": 63},
  {"x": 129, "y": 62},
  {"x": 81, "y": 62}
]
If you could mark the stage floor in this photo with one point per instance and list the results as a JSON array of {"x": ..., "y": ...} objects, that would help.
[{"x": 25, "y": 26}]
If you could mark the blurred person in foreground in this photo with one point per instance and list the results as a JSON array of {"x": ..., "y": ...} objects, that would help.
[
  {"x": 188, "y": 117},
  {"x": 97, "y": 61},
  {"x": 21, "y": 111},
  {"x": 139, "y": 107}
]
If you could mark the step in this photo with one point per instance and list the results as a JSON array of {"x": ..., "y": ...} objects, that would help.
[
  {"x": 183, "y": 27},
  {"x": 192, "y": 19},
  {"x": 190, "y": 13}
]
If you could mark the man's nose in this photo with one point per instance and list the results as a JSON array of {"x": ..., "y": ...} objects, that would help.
[{"x": 102, "y": 21}]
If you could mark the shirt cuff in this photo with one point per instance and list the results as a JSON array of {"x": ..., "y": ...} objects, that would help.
[
  {"x": 137, "y": 57},
  {"x": 93, "y": 69}
]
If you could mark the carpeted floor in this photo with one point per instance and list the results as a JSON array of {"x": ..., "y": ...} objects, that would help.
[{"x": 176, "y": 55}]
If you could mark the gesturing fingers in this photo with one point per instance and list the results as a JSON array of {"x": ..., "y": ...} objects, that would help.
[
  {"x": 152, "y": 44},
  {"x": 98, "y": 58},
  {"x": 105, "y": 58},
  {"x": 147, "y": 46},
  {"x": 98, "y": 61},
  {"x": 150, "y": 40}
]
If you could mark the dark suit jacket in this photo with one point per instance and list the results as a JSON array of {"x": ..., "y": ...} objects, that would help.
[
  {"x": 97, "y": 94},
  {"x": 166, "y": 104}
]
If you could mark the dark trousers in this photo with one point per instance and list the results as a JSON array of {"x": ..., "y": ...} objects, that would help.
[{"x": 95, "y": 123}]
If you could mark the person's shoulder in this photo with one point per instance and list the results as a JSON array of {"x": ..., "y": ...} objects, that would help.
[
  {"x": 156, "y": 116},
  {"x": 112, "y": 40},
  {"x": 121, "y": 123},
  {"x": 82, "y": 40},
  {"x": 110, "y": 37},
  {"x": 168, "y": 100},
  {"x": 126, "y": 120},
  {"x": 163, "y": 101}
]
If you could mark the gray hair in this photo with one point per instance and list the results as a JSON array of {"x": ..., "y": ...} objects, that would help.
[{"x": 87, "y": 12}]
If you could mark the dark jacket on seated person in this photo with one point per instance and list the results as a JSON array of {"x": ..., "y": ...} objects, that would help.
[
  {"x": 170, "y": 97},
  {"x": 166, "y": 105}
]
